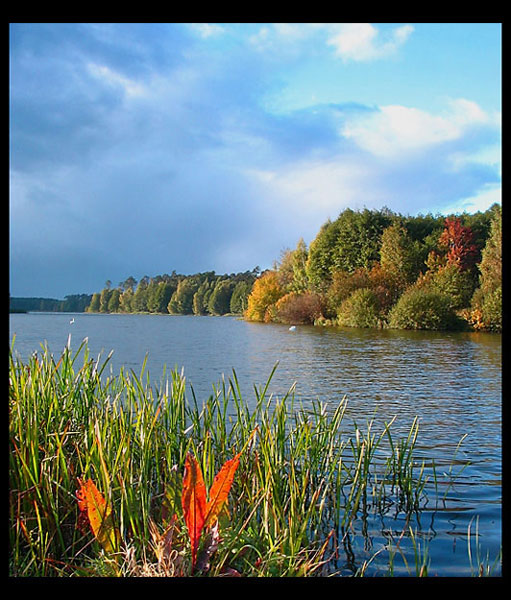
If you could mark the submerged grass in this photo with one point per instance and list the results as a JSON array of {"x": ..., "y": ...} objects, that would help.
[{"x": 304, "y": 484}]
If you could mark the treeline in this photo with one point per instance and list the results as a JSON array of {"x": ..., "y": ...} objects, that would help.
[
  {"x": 375, "y": 268},
  {"x": 199, "y": 294},
  {"x": 71, "y": 303}
]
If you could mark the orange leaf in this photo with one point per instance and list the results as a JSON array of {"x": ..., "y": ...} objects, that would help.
[
  {"x": 94, "y": 508},
  {"x": 220, "y": 489},
  {"x": 193, "y": 500}
]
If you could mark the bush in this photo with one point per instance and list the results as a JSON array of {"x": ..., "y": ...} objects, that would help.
[
  {"x": 361, "y": 309},
  {"x": 299, "y": 308},
  {"x": 422, "y": 309},
  {"x": 452, "y": 282}
]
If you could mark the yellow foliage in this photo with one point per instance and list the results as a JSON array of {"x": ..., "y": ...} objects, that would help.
[{"x": 265, "y": 293}]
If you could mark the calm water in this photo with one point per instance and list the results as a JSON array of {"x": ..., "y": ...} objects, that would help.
[{"x": 451, "y": 381}]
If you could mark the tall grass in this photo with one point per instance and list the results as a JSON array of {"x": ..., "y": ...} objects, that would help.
[{"x": 305, "y": 481}]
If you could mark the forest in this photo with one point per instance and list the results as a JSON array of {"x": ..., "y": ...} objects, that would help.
[
  {"x": 199, "y": 294},
  {"x": 375, "y": 268},
  {"x": 367, "y": 268},
  {"x": 71, "y": 303}
]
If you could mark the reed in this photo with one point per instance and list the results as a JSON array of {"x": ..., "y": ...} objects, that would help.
[{"x": 304, "y": 482}]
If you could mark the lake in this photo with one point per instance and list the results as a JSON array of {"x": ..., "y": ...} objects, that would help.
[{"x": 450, "y": 381}]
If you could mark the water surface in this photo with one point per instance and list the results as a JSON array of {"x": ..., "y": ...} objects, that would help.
[{"x": 450, "y": 381}]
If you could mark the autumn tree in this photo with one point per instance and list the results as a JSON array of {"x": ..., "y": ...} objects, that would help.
[
  {"x": 265, "y": 293},
  {"x": 458, "y": 243}
]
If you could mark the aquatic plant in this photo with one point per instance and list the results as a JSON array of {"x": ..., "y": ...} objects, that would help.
[{"x": 109, "y": 476}]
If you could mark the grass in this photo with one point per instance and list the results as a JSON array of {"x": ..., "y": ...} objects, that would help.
[{"x": 306, "y": 483}]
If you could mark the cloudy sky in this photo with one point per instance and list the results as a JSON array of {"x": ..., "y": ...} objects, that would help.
[{"x": 139, "y": 149}]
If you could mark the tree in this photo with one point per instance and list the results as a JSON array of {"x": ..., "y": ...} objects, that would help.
[
  {"x": 239, "y": 298},
  {"x": 125, "y": 300},
  {"x": 487, "y": 300},
  {"x": 128, "y": 284},
  {"x": 113, "y": 302},
  {"x": 490, "y": 267},
  {"x": 458, "y": 243},
  {"x": 299, "y": 266},
  {"x": 181, "y": 302},
  {"x": 94, "y": 303},
  {"x": 350, "y": 242},
  {"x": 220, "y": 299},
  {"x": 104, "y": 298},
  {"x": 265, "y": 293},
  {"x": 201, "y": 298},
  {"x": 398, "y": 255},
  {"x": 139, "y": 300}
]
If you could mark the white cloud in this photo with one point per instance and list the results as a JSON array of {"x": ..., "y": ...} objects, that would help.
[
  {"x": 396, "y": 130},
  {"x": 206, "y": 30},
  {"x": 131, "y": 88},
  {"x": 351, "y": 41},
  {"x": 363, "y": 42},
  {"x": 312, "y": 189}
]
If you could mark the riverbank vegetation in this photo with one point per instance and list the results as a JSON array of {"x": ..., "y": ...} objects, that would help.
[
  {"x": 112, "y": 475},
  {"x": 369, "y": 268},
  {"x": 198, "y": 294},
  {"x": 71, "y": 303},
  {"x": 379, "y": 269}
]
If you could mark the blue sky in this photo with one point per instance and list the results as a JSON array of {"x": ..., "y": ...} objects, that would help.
[{"x": 139, "y": 149}]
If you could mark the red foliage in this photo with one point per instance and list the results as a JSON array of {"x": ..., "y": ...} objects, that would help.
[{"x": 459, "y": 242}]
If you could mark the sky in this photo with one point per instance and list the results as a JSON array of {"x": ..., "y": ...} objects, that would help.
[{"x": 143, "y": 148}]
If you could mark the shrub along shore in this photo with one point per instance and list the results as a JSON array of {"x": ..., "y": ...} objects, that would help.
[
  {"x": 365, "y": 269},
  {"x": 111, "y": 475}
]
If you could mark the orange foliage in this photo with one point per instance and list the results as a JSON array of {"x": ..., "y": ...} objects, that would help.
[
  {"x": 199, "y": 513},
  {"x": 95, "y": 511}
]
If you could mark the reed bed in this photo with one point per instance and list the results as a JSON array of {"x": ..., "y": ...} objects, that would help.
[{"x": 305, "y": 486}]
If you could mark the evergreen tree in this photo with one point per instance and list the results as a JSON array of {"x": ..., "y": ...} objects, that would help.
[
  {"x": 239, "y": 298},
  {"x": 114, "y": 301},
  {"x": 220, "y": 299},
  {"x": 104, "y": 299},
  {"x": 181, "y": 302}
]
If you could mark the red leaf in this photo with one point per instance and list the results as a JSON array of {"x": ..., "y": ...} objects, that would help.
[
  {"x": 193, "y": 500},
  {"x": 220, "y": 490}
]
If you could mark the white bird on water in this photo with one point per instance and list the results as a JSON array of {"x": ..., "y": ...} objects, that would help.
[
  {"x": 292, "y": 328},
  {"x": 72, "y": 321}
]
